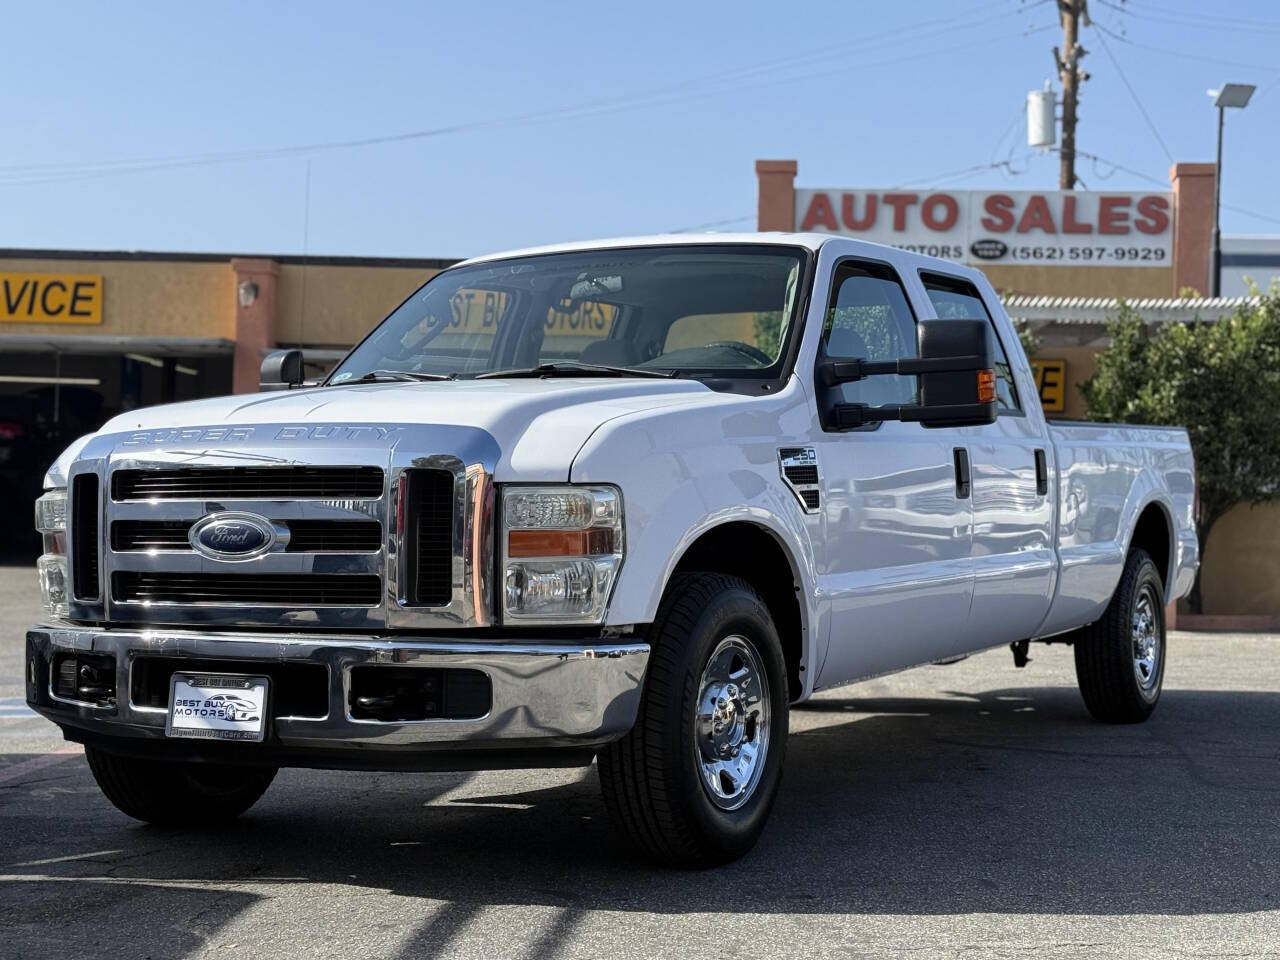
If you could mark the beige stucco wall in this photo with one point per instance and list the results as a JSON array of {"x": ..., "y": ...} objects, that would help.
[
  {"x": 1082, "y": 281},
  {"x": 342, "y": 304},
  {"x": 1241, "y": 573},
  {"x": 144, "y": 297}
]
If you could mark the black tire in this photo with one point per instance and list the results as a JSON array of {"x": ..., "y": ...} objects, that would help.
[
  {"x": 174, "y": 794},
  {"x": 652, "y": 778},
  {"x": 1115, "y": 688}
]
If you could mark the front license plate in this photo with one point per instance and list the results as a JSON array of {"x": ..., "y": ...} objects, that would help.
[{"x": 217, "y": 706}]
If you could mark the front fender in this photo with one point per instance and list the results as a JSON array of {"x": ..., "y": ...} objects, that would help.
[{"x": 685, "y": 473}]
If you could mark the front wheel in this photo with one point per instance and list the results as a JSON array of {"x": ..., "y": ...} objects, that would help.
[
  {"x": 1120, "y": 659},
  {"x": 694, "y": 780},
  {"x": 174, "y": 794}
]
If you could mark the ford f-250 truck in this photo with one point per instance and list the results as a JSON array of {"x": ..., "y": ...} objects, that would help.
[{"x": 628, "y": 501}]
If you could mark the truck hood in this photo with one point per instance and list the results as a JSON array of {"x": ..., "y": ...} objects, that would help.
[{"x": 539, "y": 425}]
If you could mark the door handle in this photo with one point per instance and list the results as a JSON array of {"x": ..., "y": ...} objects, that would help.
[
  {"x": 962, "y": 473},
  {"x": 1042, "y": 473}
]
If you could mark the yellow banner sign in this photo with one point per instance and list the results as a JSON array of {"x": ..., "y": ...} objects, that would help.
[
  {"x": 50, "y": 298},
  {"x": 1051, "y": 381}
]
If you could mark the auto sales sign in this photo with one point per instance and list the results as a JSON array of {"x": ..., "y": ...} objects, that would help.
[{"x": 1050, "y": 228}]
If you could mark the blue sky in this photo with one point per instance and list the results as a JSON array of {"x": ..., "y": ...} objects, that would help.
[{"x": 569, "y": 120}]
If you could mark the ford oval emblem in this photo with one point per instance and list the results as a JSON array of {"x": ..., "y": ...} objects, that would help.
[
  {"x": 232, "y": 536},
  {"x": 989, "y": 249}
]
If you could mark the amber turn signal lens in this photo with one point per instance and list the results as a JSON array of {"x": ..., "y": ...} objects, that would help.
[
  {"x": 559, "y": 543},
  {"x": 986, "y": 386}
]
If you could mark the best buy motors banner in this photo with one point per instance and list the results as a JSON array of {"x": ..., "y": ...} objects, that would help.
[{"x": 1052, "y": 228}]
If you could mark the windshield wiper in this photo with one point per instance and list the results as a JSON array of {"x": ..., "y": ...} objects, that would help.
[
  {"x": 389, "y": 376},
  {"x": 572, "y": 368}
]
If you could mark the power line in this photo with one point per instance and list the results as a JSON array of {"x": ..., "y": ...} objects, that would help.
[
  {"x": 1263, "y": 91},
  {"x": 1251, "y": 213},
  {"x": 712, "y": 224},
  {"x": 938, "y": 179},
  {"x": 1116, "y": 7},
  {"x": 1106, "y": 48},
  {"x": 1245, "y": 211},
  {"x": 35, "y": 173},
  {"x": 1184, "y": 18},
  {"x": 1117, "y": 166},
  {"x": 1019, "y": 116},
  {"x": 1269, "y": 68}
]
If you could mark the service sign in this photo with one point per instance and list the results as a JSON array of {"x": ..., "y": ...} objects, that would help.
[
  {"x": 50, "y": 298},
  {"x": 1074, "y": 228}
]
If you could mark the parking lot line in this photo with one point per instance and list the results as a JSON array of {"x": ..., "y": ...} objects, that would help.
[{"x": 15, "y": 708}]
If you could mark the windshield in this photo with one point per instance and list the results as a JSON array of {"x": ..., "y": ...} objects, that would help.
[{"x": 697, "y": 310}]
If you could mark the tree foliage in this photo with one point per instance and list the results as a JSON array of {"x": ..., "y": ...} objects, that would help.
[{"x": 1221, "y": 380}]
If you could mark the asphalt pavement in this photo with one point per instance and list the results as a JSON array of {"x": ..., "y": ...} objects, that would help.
[{"x": 967, "y": 810}]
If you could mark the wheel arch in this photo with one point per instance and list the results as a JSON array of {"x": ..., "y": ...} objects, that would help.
[
  {"x": 1153, "y": 532},
  {"x": 756, "y": 553}
]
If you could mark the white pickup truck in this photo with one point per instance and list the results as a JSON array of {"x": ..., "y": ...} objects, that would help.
[{"x": 628, "y": 501}]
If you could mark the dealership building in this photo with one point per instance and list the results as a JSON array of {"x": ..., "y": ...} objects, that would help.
[{"x": 85, "y": 335}]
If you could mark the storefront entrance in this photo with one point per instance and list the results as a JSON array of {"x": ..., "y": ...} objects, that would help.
[{"x": 50, "y": 397}]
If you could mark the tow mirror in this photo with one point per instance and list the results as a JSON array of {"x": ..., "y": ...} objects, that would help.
[
  {"x": 957, "y": 382},
  {"x": 281, "y": 370}
]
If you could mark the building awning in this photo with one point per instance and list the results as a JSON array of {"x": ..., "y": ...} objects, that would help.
[
  {"x": 1100, "y": 309},
  {"x": 91, "y": 343},
  {"x": 1081, "y": 321}
]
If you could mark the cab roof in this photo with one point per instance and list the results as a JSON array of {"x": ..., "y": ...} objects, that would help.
[{"x": 809, "y": 241}]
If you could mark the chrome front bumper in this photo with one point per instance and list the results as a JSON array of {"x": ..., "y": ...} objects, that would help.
[{"x": 546, "y": 695}]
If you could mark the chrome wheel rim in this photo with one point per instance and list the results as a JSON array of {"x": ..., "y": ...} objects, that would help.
[
  {"x": 731, "y": 726},
  {"x": 1147, "y": 642}
]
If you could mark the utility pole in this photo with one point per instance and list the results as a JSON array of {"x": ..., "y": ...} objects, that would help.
[{"x": 1067, "y": 62}]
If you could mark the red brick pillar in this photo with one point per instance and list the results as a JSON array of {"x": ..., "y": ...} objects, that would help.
[
  {"x": 1192, "y": 225},
  {"x": 255, "y": 296},
  {"x": 776, "y": 209}
]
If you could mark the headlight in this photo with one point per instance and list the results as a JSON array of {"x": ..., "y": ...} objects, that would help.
[
  {"x": 561, "y": 550},
  {"x": 51, "y": 521}
]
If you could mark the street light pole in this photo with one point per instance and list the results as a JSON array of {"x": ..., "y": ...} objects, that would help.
[
  {"x": 1215, "y": 258},
  {"x": 1231, "y": 95}
]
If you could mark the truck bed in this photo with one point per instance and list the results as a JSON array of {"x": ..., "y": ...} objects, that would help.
[{"x": 1108, "y": 475}]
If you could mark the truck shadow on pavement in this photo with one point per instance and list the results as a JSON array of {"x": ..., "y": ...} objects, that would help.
[{"x": 1006, "y": 801}]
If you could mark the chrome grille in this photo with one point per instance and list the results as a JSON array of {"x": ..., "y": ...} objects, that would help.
[
  {"x": 268, "y": 590},
  {"x": 150, "y": 534},
  {"x": 84, "y": 527},
  {"x": 248, "y": 483},
  {"x": 305, "y": 536},
  {"x": 333, "y": 502},
  {"x": 430, "y": 505},
  {"x": 333, "y": 536},
  {"x": 328, "y": 550}
]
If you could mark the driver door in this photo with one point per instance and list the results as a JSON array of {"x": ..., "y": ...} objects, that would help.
[{"x": 899, "y": 526}]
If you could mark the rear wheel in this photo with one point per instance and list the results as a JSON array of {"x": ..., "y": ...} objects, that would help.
[
  {"x": 694, "y": 780},
  {"x": 1120, "y": 659},
  {"x": 175, "y": 794}
]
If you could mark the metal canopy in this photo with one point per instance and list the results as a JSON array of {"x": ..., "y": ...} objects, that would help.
[
  {"x": 1098, "y": 310},
  {"x": 92, "y": 344}
]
